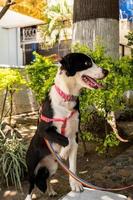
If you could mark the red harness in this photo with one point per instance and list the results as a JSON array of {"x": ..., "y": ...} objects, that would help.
[
  {"x": 63, "y": 120},
  {"x": 66, "y": 97}
]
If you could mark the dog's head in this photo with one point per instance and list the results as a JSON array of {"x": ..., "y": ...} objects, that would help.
[{"x": 83, "y": 69}]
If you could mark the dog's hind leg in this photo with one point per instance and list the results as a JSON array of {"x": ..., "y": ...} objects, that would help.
[
  {"x": 50, "y": 189},
  {"x": 45, "y": 169},
  {"x": 52, "y": 166},
  {"x": 29, "y": 196}
]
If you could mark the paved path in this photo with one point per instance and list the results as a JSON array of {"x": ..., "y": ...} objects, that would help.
[{"x": 93, "y": 195}]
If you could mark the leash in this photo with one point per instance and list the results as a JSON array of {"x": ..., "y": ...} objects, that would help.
[
  {"x": 68, "y": 97},
  {"x": 83, "y": 182}
]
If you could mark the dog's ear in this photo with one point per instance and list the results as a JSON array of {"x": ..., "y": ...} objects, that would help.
[
  {"x": 66, "y": 65},
  {"x": 55, "y": 57}
]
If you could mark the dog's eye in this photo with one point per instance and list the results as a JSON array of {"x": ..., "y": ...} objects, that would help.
[{"x": 88, "y": 64}]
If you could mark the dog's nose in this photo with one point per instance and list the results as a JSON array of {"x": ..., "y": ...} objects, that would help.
[{"x": 105, "y": 72}]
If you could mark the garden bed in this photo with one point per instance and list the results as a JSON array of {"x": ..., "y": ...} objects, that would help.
[{"x": 111, "y": 170}]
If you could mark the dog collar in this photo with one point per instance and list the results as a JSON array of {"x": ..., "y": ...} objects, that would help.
[{"x": 66, "y": 97}]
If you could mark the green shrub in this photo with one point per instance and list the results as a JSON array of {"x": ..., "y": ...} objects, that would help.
[
  {"x": 41, "y": 73},
  {"x": 130, "y": 38},
  {"x": 119, "y": 80},
  {"x": 11, "y": 78},
  {"x": 12, "y": 159},
  {"x": 11, "y": 81}
]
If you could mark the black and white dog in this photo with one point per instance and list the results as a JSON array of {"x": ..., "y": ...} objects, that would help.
[{"x": 59, "y": 121}]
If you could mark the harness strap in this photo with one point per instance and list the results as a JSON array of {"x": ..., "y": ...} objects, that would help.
[{"x": 63, "y": 120}]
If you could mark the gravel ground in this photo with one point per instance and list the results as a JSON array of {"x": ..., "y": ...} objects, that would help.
[{"x": 113, "y": 170}]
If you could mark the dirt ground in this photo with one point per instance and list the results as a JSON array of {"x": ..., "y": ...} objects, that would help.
[{"x": 97, "y": 169}]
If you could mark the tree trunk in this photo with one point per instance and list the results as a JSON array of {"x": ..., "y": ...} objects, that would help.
[
  {"x": 6, "y": 7},
  {"x": 97, "y": 19},
  {"x": 11, "y": 106},
  {"x": 4, "y": 103}
]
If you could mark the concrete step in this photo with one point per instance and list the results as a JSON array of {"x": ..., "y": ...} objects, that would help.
[{"x": 90, "y": 194}]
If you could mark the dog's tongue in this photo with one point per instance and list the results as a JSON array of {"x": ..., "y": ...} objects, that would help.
[{"x": 91, "y": 82}]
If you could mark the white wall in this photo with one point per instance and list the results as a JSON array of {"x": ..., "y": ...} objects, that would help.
[
  {"x": 125, "y": 26},
  {"x": 10, "y": 51},
  {"x": 12, "y": 46},
  {"x": 4, "y": 54},
  {"x": 19, "y": 49}
]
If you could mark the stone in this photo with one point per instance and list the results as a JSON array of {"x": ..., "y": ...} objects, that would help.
[
  {"x": 98, "y": 175},
  {"x": 90, "y": 194},
  {"x": 108, "y": 169},
  {"x": 124, "y": 172}
]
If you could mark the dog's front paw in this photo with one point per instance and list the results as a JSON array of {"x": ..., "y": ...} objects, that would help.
[
  {"x": 64, "y": 152},
  {"x": 75, "y": 185}
]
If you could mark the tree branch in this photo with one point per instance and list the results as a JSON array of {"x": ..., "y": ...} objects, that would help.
[{"x": 6, "y": 7}]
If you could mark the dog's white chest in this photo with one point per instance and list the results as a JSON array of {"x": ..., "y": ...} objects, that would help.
[
  {"x": 72, "y": 125},
  {"x": 63, "y": 110}
]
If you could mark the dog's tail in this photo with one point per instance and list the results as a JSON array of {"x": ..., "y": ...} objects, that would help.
[{"x": 41, "y": 178}]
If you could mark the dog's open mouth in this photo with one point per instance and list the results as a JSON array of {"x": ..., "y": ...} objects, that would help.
[{"x": 91, "y": 82}]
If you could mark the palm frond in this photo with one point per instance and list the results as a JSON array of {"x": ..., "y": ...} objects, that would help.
[{"x": 59, "y": 18}]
